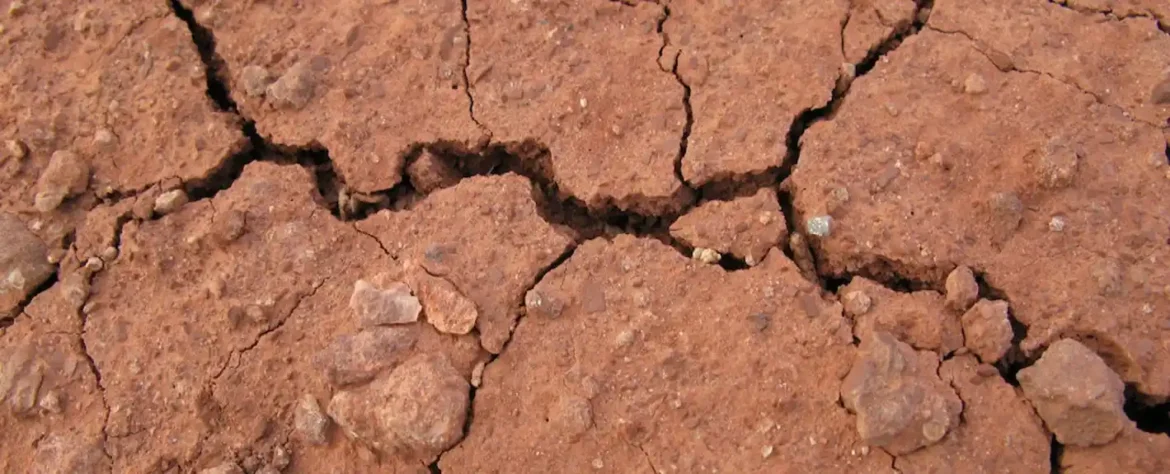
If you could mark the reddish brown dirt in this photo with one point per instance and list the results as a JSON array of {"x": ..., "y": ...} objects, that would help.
[{"x": 601, "y": 236}]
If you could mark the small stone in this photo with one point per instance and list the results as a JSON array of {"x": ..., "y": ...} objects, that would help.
[
  {"x": 445, "y": 307},
  {"x": 229, "y": 226},
  {"x": 280, "y": 458},
  {"x": 856, "y": 303},
  {"x": 429, "y": 172},
  {"x": 353, "y": 359},
  {"x": 597, "y": 463},
  {"x": 900, "y": 401},
  {"x": 50, "y": 402},
  {"x": 16, "y": 8},
  {"x": 170, "y": 201},
  {"x": 988, "y": 330},
  {"x": 1108, "y": 275},
  {"x": 706, "y": 255},
  {"x": 1057, "y": 167},
  {"x": 571, "y": 416},
  {"x": 766, "y": 451},
  {"x": 225, "y": 468},
  {"x": 1077, "y": 395},
  {"x": 418, "y": 409},
  {"x": 974, "y": 84},
  {"x": 255, "y": 80},
  {"x": 377, "y": 307},
  {"x": 1007, "y": 211},
  {"x": 66, "y": 175},
  {"x": 16, "y": 148},
  {"x": 104, "y": 139},
  {"x": 477, "y": 374},
  {"x": 962, "y": 289},
  {"x": 624, "y": 338},
  {"x": 298, "y": 85},
  {"x": 538, "y": 303},
  {"x": 310, "y": 422},
  {"x": 1056, "y": 224},
  {"x": 819, "y": 226},
  {"x": 94, "y": 264}
]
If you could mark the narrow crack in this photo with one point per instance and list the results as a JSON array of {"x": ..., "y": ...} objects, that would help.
[
  {"x": 649, "y": 460},
  {"x": 1055, "y": 452},
  {"x": 466, "y": 66},
  {"x": 1105, "y": 12}
]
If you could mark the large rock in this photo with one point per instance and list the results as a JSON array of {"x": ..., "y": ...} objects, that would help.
[
  {"x": 901, "y": 403},
  {"x": 987, "y": 329},
  {"x": 23, "y": 266},
  {"x": 418, "y": 410},
  {"x": 1078, "y": 396}
]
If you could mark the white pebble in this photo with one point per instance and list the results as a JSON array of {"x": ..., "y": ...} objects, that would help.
[
  {"x": 819, "y": 226},
  {"x": 1056, "y": 224}
]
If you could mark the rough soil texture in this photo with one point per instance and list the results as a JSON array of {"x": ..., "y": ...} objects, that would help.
[{"x": 677, "y": 236}]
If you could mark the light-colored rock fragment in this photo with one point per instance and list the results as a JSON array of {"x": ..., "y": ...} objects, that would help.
[
  {"x": 377, "y": 307},
  {"x": 310, "y": 422},
  {"x": 856, "y": 302},
  {"x": 23, "y": 263},
  {"x": 66, "y": 176},
  {"x": 540, "y": 303},
  {"x": 225, "y": 468},
  {"x": 255, "y": 80},
  {"x": 444, "y": 305},
  {"x": 819, "y": 226},
  {"x": 429, "y": 172},
  {"x": 299, "y": 83},
  {"x": 988, "y": 330},
  {"x": 170, "y": 201},
  {"x": 1077, "y": 395},
  {"x": 419, "y": 409},
  {"x": 962, "y": 289},
  {"x": 900, "y": 401},
  {"x": 706, "y": 255},
  {"x": 571, "y": 416}
]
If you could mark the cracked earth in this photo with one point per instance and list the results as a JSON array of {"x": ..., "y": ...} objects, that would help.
[{"x": 687, "y": 236}]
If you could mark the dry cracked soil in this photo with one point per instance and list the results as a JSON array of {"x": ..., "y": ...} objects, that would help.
[{"x": 512, "y": 236}]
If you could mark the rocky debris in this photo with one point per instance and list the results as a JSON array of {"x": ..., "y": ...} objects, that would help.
[
  {"x": 536, "y": 87},
  {"x": 919, "y": 318},
  {"x": 363, "y": 82},
  {"x": 900, "y": 402},
  {"x": 745, "y": 227},
  {"x": 1132, "y": 451},
  {"x": 255, "y": 79},
  {"x": 999, "y": 431},
  {"x": 962, "y": 289},
  {"x": 539, "y": 303},
  {"x": 296, "y": 87},
  {"x": 68, "y": 452},
  {"x": 1078, "y": 396},
  {"x": 728, "y": 83},
  {"x": 429, "y": 172},
  {"x": 309, "y": 421},
  {"x": 870, "y": 23},
  {"x": 379, "y": 307},
  {"x": 931, "y": 216},
  {"x": 1056, "y": 166},
  {"x": 819, "y": 226},
  {"x": 357, "y": 358},
  {"x": 988, "y": 330},
  {"x": 446, "y": 308},
  {"x": 23, "y": 264},
  {"x": 707, "y": 256},
  {"x": 170, "y": 201},
  {"x": 66, "y": 176},
  {"x": 445, "y": 235},
  {"x": 639, "y": 383},
  {"x": 227, "y": 467},
  {"x": 1122, "y": 74},
  {"x": 417, "y": 410}
]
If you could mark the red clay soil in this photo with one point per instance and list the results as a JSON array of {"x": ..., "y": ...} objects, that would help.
[{"x": 602, "y": 236}]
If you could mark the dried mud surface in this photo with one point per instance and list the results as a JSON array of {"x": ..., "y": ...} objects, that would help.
[{"x": 423, "y": 236}]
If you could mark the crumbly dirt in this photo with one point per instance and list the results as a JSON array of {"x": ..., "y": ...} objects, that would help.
[{"x": 670, "y": 236}]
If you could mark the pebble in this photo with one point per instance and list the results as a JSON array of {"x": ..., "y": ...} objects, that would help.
[
  {"x": 477, "y": 374},
  {"x": 819, "y": 226},
  {"x": 255, "y": 80},
  {"x": 1056, "y": 224},
  {"x": 389, "y": 415},
  {"x": 229, "y": 226},
  {"x": 624, "y": 338},
  {"x": 357, "y": 358},
  {"x": 65, "y": 176},
  {"x": 766, "y": 451},
  {"x": 856, "y": 303},
  {"x": 571, "y": 416},
  {"x": 429, "y": 172},
  {"x": 538, "y": 303},
  {"x": 962, "y": 289},
  {"x": 94, "y": 264},
  {"x": 1107, "y": 273},
  {"x": 1077, "y": 395},
  {"x": 378, "y": 307},
  {"x": 104, "y": 139},
  {"x": 445, "y": 307},
  {"x": 706, "y": 255},
  {"x": 16, "y": 148},
  {"x": 309, "y": 421},
  {"x": 50, "y": 402},
  {"x": 1057, "y": 167},
  {"x": 170, "y": 201},
  {"x": 298, "y": 85},
  {"x": 974, "y": 84},
  {"x": 988, "y": 330}
]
